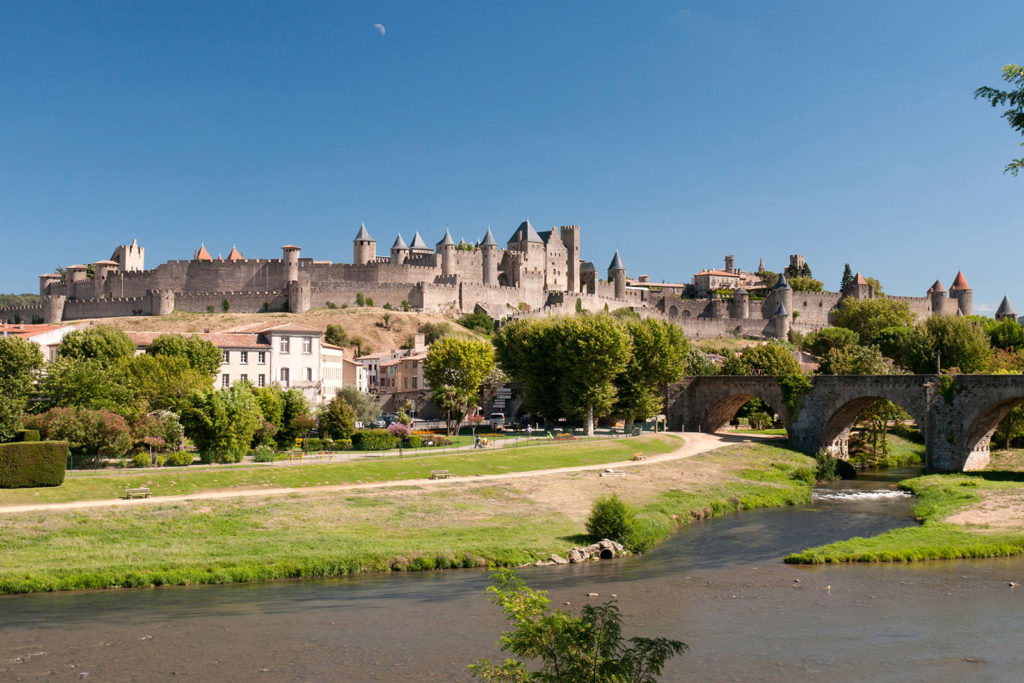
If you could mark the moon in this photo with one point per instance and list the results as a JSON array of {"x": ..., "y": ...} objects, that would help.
[{"x": 380, "y": 28}]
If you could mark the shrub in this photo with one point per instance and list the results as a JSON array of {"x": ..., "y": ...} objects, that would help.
[
  {"x": 436, "y": 440},
  {"x": 645, "y": 533},
  {"x": 827, "y": 466},
  {"x": 178, "y": 459},
  {"x": 369, "y": 301},
  {"x": 26, "y": 435},
  {"x": 373, "y": 440},
  {"x": 610, "y": 518},
  {"x": 414, "y": 441},
  {"x": 759, "y": 420},
  {"x": 263, "y": 454},
  {"x": 32, "y": 463},
  {"x": 400, "y": 431},
  {"x": 140, "y": 460},
  {"x": 89, "y": 432}
]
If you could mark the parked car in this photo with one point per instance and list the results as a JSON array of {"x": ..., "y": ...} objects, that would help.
[{"x": 497, "y": 420}]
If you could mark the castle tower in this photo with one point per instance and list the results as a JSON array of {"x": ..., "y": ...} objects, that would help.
[
  {"x": 77, "y": 273},
  {"x": 418, "y": 245},
  {"x": 783, "y": 293},
  {"x": 130, "y": 257},
  {"x": 937, "y": 296},
  {"x": 716, "y": 307},
  {"x": 1006, "y": 311},
  {"x": 739, "y": 308},
  {"x": 364, "y": 247},
  {"x": 797, "y": 262},
  {"x": 730, "y": 263},
  {"x": 46, "y": 280},
  {"x": 489, "y": 251},
  {"x": 617, "y": 274},
  {"x": 859, "y": 289},
  {"x": 53, "y": 308},
  {"x": 446, "y": 248},
  {"x": 101, "y": 271},
  {"x": 760, "y": 265},
  {"x": 962, "y": 292},
  {"x": 162, "y": 302},
  {"x": 399, "y": 251},
  {"x": 290, "y": 257},
  {"x": 782, "y": 322},
  {"x": 571, "y": 240}
]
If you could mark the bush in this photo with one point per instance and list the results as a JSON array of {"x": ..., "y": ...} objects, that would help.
[
  {"x": 373, "y": 440},
  {"x": 141, "y": 460},
  {"x": 436, "y": 440},
  {"x": 646, "y": 533},
  {"x": 23, "y": 435},
  {"x": 89, "y": 432},
  {"x": 610, "y": 518},
  {"x": 263, "y": 454},
  {"x": 343, "y": 444},
  {"x": 178, "y": 459},
  {"x": 400, "y": 431},
  {"x": 32, "y": 463},
  {"x": 414, "y": 441},
  {"x": 827, "y": 467},
  {"x": 759, "y": 420}
]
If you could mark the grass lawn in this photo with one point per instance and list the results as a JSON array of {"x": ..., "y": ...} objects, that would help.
[
  {"x": 177, "y": 481},
  {"x": 340, "y": 533},
  {"x": 939, "y": 496}
]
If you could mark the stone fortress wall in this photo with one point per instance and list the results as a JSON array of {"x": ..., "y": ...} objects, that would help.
[{"x": 536, "y": 273}]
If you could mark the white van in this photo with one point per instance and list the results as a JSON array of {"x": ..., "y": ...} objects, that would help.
[{"x": 497, "y": 420}]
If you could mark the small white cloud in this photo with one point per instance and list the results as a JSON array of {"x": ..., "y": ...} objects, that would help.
[
  {"x": 380, "y": 28},
  {"x": 985, "y": 308}
]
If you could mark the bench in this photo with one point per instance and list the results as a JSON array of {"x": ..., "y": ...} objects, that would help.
[
  {"x": 440, "y": 474},
  {"x": 639, "y": 456},
  {"x": 140, "y": 492}
]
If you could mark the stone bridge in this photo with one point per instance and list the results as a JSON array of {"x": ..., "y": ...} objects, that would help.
[{"x": 956, "y": 414}]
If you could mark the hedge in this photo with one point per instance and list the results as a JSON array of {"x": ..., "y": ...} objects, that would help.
[
  {"x": 374, "y": 440},
  {"x": 32, "y": 463},
  {"x": 26, "y": 435}
]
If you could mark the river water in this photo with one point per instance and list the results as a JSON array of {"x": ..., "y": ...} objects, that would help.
[{"x": 719, "y": 585}]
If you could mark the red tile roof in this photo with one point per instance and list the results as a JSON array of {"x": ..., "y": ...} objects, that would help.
[
  {"x": 276, "y": 327},
  {"x": 202, "y": 254},
  {"x": 235, "y": 255},
  {"x": 960, "y": 282},
  {"x": 219, "y": 339},
  {"x": 24, "y": 330},
  {"x": 718, "y": 273},
  {"x": 859, "y": 279}
]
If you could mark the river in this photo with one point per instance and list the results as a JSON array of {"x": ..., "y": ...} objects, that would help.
[{"x": 719, "y": 585}]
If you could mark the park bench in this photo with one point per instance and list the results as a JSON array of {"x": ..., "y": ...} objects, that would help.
[
  {"x": 140, "y": 492},
  {"x": 639, "y": 456},
  {"x": 440, "y": 474}
]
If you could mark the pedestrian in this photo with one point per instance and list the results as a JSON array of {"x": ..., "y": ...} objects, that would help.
[{"x": 529, "y": 431}]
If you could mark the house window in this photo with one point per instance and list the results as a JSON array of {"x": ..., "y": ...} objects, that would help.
[
  {"x": 284, "y": 376},
  {"x": 261, "y": 357},
  {"x": 414, "y": 380},
  {"x": 244, "y": 378},
  {"x": 307, "y": 345},
  {"x": 261, "y": 381},
  {"x": 227, "y": 357},
  {"x": 243, "y": 357},
  {"x": 309, "y": 374},
  {"x": 225, "y": 380},
  {"x": 285, "y": 344}
]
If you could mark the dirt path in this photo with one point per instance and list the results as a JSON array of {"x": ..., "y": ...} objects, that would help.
[{"x": 695, "y": 444}]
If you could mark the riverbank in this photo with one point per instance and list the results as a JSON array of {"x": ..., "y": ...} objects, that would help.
[
  {"x": 972, "y": 515},
  {"x": 509, "y": 521}
]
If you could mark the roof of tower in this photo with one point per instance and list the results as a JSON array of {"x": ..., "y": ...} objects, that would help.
[
  {"x": 417, "y": 242},
  {"x": 781, "y": 310},
  {"x": 235, "y": 255},
  {"x": 447, "y": 239},
  {"x": 616, "y": 263},
  {"x": 783, "y": 283},
  {"x": 106, "y": 263},
  {"x": 363, "y": 234},
  {"x": 760, "y": 266},
  {"x": 960, "y": 282},
  {"x": 80, "y": 266},
  {"x": 1006, "y": 308},
  {"x": 740, "y": 290},
  {"x": 937, "y": 287},
  {"x": 489, "y": 240},
  {"x": 587, "y": 267},
  {"x": 289, "y": 247},
  {"x": 202, "y": 254},
  {"x": 858, "y": 279},
  {"x": 399, "y": 243},
  {"x": 525, "y": 233}
]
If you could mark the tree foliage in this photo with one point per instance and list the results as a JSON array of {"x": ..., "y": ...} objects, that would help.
[
  {"x": 659, "y": 357},
  {"x": 454, "y": 369},
  {"x": 822, "y": 341},
  {"x": 85, "y": 383},
  {"x": 160, "y": 381},
  {"x": 770, "y": 358},
  {"x": 847, "y": 278},
  {"x": 222, "y": 423},
  {"x": 336, "y": 335},
  {"x": 104, "y": 344},
  {"x": 337, "y": 419},
  {"x": 589, "y": 648},
  {"x": 961, "y": 342},
  {"x": 805, "y": 283},
  {"x": 853, "y": 360},
  {"x": 200, "y": 354},
  {"x": 1013, "y": 100},
  {"x": 366, "y": 406},
  {"x": 478, "y": 321},
  {"x": 20, "y": 360},
  {"x": 868, "y": 317}
]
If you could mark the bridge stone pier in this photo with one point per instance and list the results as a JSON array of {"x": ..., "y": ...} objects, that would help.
[{"x": 956, "y": 414}]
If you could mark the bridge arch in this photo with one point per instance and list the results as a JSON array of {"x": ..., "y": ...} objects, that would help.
[
  {"x": 840, "y": 419},
  {"x": 979, "y": 426}
]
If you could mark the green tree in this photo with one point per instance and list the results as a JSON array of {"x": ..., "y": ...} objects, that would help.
[
  {"x": 853, "y": 360},
  {"x": 1014, "y": 101},
  {"x": 454, "y": 369},
  {"x": 822, "y": 341},
  {"x": 847, "y": 278},
  {"x": 296, "y": 419},
  {"x": 20, "y": 360},
  {"x": 771, "y": 358},
  {"x": 589, "y": 648},
  {"x": 222, "y": 423},
  {"x": 524, "y": 350},
  {"x": 86, "y": 383},
  {"x": 1011, "y": 428},
  {"x": 805, "y": 283},
  {"x": 892, "y": 342},
  {"x": 1006, "y": 334},
  {"x": 589, "y": 352},
  {"x": 960, "y": 342},
  {"x": 433, "y": 331},
  {"x": 876, "y": 286},
  {"x": 869, "y": 316},
  {"x": 658, "y": 358},
  {"x": 366, "y": 406},
  {"x": 271, "y": 403},
  {"x": 161, "y": 381},
  {"x": 770, "y": 278},
  {"x": 698, "y": 363},
  {"x": 478, "y": 321},
  {"x": 200, "y": 354},
  {"x": 104, "y": 344},
  {"x": 337, "y": 419},
  {"x": 336, "y": 335}
]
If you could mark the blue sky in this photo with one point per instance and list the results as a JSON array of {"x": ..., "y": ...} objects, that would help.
[{"x": 675, "y": 132}]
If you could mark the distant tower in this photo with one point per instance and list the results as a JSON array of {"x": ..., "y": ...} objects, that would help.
[
  {"x": 489, "y": 250},
  {"x": 46, "y": 280},
  {"x": 783, "y": 293},
  {"x": 760, "y": 265},
  {"x": 859, "y": 289},
  {"x": 1006, "y": 311},
  {"x": 730, "y": 263},
  {"x": 102, "y": 270},
  {"x": 418, "y": 246},
  {"x": 739, "y": 308},
  {"x": 77, "y": 273},
  {"x": 130, "y": 257},
  {"x": 446, "y": 248},
  {"x": 962, "y": 292},
  {"x": 53, "y": 304},
  {"x": 937, "y": 296},
  {"x": 782, "y": 322},
  {"x": 716, "y": 306},
  {"x": 399, "y": 251},
  {"x": 571, "y": 240},
  {"x": 364, "y": 247},
  {"x": 797, "y": 262},
  {"x": 617, "y": 274},
  {"x": 290, "y": 257}
]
